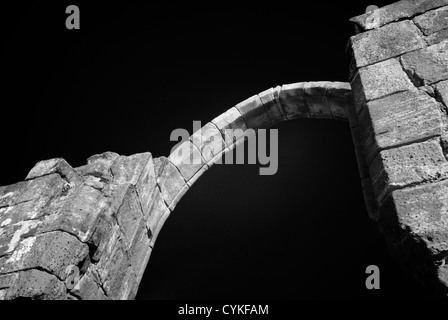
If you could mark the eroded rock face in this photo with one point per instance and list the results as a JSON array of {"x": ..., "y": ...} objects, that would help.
[{"x": 95, "y": 218}]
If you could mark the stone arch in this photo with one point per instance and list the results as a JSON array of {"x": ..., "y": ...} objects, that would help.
[
  {"x": 103, "y": 218},
  {"x": 316, "y": 100}
]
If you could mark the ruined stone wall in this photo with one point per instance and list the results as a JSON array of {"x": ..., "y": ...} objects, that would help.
[
  {"x": 104, "y": 217},
  {"x": 398, "y": 74}
]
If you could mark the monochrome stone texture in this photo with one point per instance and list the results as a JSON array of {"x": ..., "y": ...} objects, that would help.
[{"x": 104, "y": 217}]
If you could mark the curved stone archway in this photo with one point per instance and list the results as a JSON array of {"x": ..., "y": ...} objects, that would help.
[
  {"x": 88, "y": 232},
  {"x": 317, "y": 100},
  {"x": 108, "y": 213}
]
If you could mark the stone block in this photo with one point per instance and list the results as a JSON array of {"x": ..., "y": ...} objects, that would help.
[
  {"x": 129, "y": 216},
  {"x": 52, "y": 251},
  {"x": 231, "y": 124},
  {"x": 315, "y": 94},
  {"x": 79, "y": 213},
  {"x": 113, "y": 270},
  {"x": 394, "y": 12},
  {"x": 433, "y": 21},
  {"x": 422, "y": 211},
  {"x": 170, "y": 181},
  {"x": 442, "y": 92},
  {"x": 428, "y": 65},
  {"x": 128, "y": 169},
  {"x": 292, "y": 101},
  {"x": 407, "y": 165},
  {"x": 99, "y": 166},
  {"x": 140, "y": 252},
  {"x": 387, "y": 42},
  {"x": 187, "y": 158},
  {"x": 437, "y": 37},
  {"x": 146, "y": 185},
  {"x": 37, "y": 284},
  {"x": 398, "y": 119},
  {"x": 253, "y": 112},
  {"x": 158, "y": 209},
  {"x": 209, "y": 141},
  {"x": 33, "y": 199},
  {"x": 88, "y": 289},
  {"x": 378, "y": 80},
  {"x": 340, "y": 99},
  {"x": 57, "y": 165},
  {"x": 270, "y": 100}
]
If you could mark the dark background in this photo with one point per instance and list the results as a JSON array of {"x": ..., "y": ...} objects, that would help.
[{"x": 134, "y": 73}]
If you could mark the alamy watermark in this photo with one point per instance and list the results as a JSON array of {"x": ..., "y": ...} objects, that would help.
[
  {"x": 72, "y": 21},
  {"x": 220, "y": 146}
]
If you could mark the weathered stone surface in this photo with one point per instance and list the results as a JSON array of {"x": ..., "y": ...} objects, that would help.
[
  {"x": 395, "y": 11},
  {"x": 442, "y": 92},
  {"x": 197, "y": 175},
  {"x": 88, "y": 289},
  {"x": 129, "y": 216},
  {"x": 292, "y": 100},
  {"x": 270, "y": 100},
  {"x": 30, "y": 190},
  {"x": 398, "y": 119},
  {"x": 422, "y": 210},
  {"x": 315, "y": 97},
  {"x": 390, "y": 41},
  {"x": 437, "y": 37},
  {"x": 427, "y": 65},
  {"x": 218, "y": 158},
  {"x": 129, "y": 287},
  {"x": 379, "y": 80},
  {"x": 33, "y": 199},
  {"x": 104, "y": 238},
  {"x": 231, "y": 124},
  {"x": 209, "y": 141},
  {"x": 159, "y": 209},
  {"x": 187, "y": 158},
  {"x": 433, "y": 21},
  {"x": 128, "y": 169},
  {"x": 407, "y": 165},
  {"x": 253, "y": 113},
  {"x": 12, "y": 234},
  {"x": 38, "y": 285},
  {"x": 57, "y": 165},
  {"x": 170, "y": 181},
  {"x": 105, "y": 211},
  {"x": 339, "y": 97},
  {"x": 8, "y": 280},
  {"x": 79, "y": 213},
  {"x": 140, "y": 252},
  {"x": 113, "y": 269},
  {"x": 146, "y": 185},
  {"x": 99, "y": 166},
  {"x": 52, "y": 251}
]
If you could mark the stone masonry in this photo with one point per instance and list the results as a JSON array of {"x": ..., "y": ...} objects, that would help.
[
  {"x": 399, "y": 78},
  {"x": 103, "y": 218}
]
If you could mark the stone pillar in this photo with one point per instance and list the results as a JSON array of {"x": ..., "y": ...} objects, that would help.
[{"x": 398, "y": 74}]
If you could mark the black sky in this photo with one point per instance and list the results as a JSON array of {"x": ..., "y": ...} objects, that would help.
[{"x": 134, "y": 73}]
